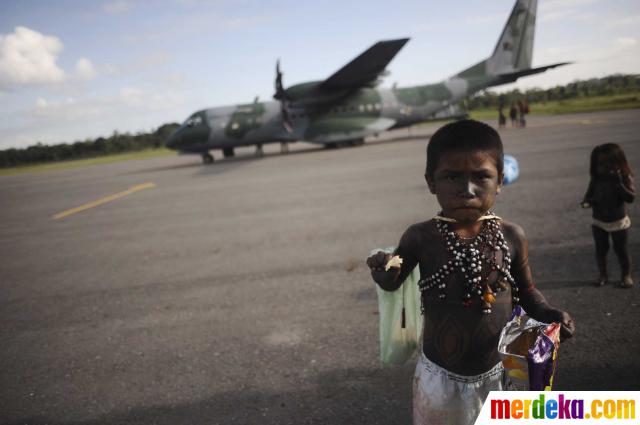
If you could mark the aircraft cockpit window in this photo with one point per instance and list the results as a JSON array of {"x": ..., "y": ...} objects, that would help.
[{"x": 196, "y": 120}]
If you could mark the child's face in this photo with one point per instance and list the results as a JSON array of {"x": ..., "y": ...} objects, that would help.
[
  {"x": 605, "y": 164},
  {"x": 466, "y": 184}
]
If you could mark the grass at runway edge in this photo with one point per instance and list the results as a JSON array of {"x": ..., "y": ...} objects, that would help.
[
  {"x": 569, "y": 106},
  {"x": 64, "y": 165}
]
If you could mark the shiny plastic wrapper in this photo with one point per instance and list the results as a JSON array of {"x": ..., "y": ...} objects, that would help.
[{"x": 529, "y": 351}]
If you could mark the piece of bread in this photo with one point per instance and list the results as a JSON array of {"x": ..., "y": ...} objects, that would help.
[{"x": 394, "y": 262}]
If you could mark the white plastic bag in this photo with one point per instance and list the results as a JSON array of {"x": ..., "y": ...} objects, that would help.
[{"x": 400, "y": 318}]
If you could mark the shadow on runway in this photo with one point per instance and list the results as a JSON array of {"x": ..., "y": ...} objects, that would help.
[
  {"x": 373, "y": 396},
  {"x": 355, "y": 396},
  {"x": 219, "y": 164}
]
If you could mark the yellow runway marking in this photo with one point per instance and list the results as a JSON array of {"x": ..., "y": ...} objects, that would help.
[{"x": 104, "y": 200}]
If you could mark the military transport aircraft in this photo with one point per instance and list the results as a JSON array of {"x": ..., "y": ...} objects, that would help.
[{"x": 347, "y": 107}]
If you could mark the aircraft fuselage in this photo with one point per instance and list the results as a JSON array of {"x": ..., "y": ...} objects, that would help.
[{"x": 356, "y": 115}]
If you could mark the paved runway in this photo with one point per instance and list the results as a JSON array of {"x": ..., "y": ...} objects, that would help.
[{"x": 237, "y": 293}]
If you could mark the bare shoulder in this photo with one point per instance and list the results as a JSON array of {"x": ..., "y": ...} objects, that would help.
[
  {"x": 422, "y": 232},
  {"x": 513, "y": 232},
  {"x": 425, "y": 229}
]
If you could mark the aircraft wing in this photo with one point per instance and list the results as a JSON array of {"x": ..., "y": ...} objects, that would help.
[{"x": 366, "y": 68}]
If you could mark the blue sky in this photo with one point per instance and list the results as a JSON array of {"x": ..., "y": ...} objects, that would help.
[{"x": 72, "y": 70}]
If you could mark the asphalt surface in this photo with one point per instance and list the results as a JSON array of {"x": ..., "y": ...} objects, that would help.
[{"x": 237, "y": 293}]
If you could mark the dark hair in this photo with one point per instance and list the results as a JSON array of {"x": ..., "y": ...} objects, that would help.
[
  {"x": 463, "y": 135},
  {"x": 615, "y": 154}
]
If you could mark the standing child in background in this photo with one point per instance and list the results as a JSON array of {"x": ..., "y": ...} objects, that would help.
[
  {"x": 502, "y": 119},
  {"x": 513, "y": 115},
  {"x": 521, "y": 113},
  {"x": 474, "y": 268},
  {"x": 611, "y": 186}
]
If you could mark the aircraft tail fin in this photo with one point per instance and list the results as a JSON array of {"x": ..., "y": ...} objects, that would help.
[
  {"x": 514, "y": 49},
  {"x": 511, "y": 58}
]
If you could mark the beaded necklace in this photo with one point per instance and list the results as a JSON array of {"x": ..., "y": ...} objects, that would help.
[{"x": 467, "y": 257}]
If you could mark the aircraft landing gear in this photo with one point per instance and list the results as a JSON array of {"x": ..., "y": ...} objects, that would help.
[
  {"x": 259, "y": 151},
  {"x": 228, "y": 152},
  {"x": 357, "y": 142},
  {"x": 284, "y": 148},
  {"x": 207, "y": 158}
]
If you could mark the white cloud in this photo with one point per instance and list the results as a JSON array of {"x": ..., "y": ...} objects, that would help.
[
  {"x": 627, "y": 21},
  {"x": 245, "y": 23},
  {"x": 485, "y": 19},
  {"x": 85, "y": 69},
  {"x": 46, "y": 107},
  {"x": 625, "y": 42},
  {"x": 175, "y": 79},
  {"x": 552, "y": 10},
  {"x": 28, "y": 57},
  {"x": 66, "y": 119},
  {"x": 118, "y": 6},
  {"x": 131, "y": 96}
]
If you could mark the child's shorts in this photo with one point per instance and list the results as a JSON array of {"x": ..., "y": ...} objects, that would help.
[{"x": 443, "y": 397}]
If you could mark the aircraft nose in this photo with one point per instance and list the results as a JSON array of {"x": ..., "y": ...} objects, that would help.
[{"x": 174, "y": 140}]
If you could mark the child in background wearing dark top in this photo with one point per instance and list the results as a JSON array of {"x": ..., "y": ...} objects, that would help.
[
  {"x": 610, "y": 188},
  {"x": 474, "y": 268}
]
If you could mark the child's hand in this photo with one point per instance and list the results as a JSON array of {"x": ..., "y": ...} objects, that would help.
[
  {"x": 585, "y": 204},
  {"x": 378, "y": 261},
  {"x": 568, "y": 327}
]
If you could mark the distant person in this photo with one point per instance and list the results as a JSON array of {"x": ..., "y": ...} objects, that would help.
[
  {"x": 513, "y": 115},
  {"x": 610, "y": 188},
  {"x": 502, "y": 120},
  {"x": 522, "y": 122},
  {"x": 474, "y": 269}
]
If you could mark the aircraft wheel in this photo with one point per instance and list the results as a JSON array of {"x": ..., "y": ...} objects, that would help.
[
  {"x": 332, "y": 145},
  {"x": 357, "y": 142},
  {"x": 207, "y": 158},
  {"x": 228, "y": 152}
]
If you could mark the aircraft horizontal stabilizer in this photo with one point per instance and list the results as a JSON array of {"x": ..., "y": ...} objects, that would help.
[
  {"x": 366, "y": 68},
  {"x": 513, "y": 76}
]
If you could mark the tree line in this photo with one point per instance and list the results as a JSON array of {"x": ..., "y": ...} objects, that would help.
[
  {"x": 607, "y": 86},
  {"x": 116, "y": 143}
]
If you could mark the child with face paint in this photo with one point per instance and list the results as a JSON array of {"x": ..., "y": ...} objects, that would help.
[
  {"x": 610, "y": 188},
  {"x": 474, "y": 268}
]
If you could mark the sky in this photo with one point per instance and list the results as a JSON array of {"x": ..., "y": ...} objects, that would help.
[{"x": 75, "y": 70}]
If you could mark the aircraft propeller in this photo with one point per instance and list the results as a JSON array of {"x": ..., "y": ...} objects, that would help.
[{"x": 281, "y": 95}]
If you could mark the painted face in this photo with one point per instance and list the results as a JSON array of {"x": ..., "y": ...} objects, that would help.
[{"x": 466, "y": 184}]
